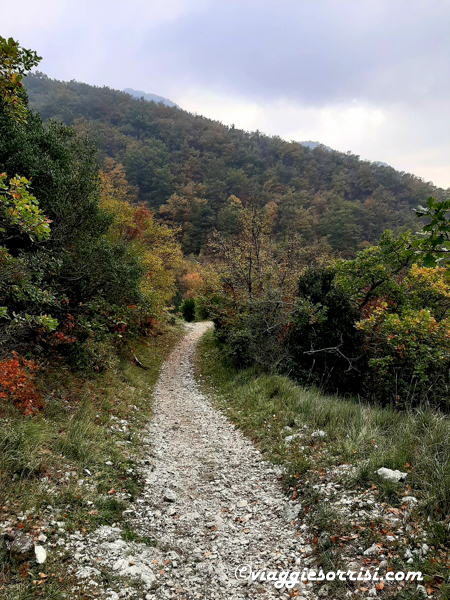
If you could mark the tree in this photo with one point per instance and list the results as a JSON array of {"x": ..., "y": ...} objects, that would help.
[
  {"x": 434, "y": 246},
  {"x": 55, "y": 260},
  {"x": 251, "y": 290},
  {"x": 324, "y": 347},
  {"x": 152, "y": 244},
  {"x": 15, "y": 62}
]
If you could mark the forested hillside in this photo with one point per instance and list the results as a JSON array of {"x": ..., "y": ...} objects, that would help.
[
  {"x": 149, "y": 97},
  {"x": 187, "y": 167}
]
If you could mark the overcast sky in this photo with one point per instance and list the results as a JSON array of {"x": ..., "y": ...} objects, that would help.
[{"x": 369, "y": 76}]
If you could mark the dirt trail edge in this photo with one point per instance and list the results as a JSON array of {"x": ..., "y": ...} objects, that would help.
[{"x": 211, "y": 503}]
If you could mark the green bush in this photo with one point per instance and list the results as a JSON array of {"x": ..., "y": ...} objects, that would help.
[
  {"x": 240, "y": 347},
  {"x": 187, "y": 309},
  {"x": 201, "y": 309},
  {"x": 325, "y": 348},
  {"x": 55, "y": 260}
]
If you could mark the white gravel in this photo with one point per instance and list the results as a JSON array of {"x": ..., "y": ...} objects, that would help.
[
  {"x": 211, "y": 504},
  {"x": 226, "y": 507}
]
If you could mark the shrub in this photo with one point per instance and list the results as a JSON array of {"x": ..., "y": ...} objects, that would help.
[
  {"x": 240, "y": 347},
  {"x": 187, "y": 309},
  {"x": 16, "y": 384},
  {"x": 409, "y": 360},
  {"x": 324, "y": 345}
]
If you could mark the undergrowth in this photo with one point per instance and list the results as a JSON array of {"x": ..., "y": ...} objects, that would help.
[
  {"x": 362, "y": 436},
  {"x": 73, "y": 465}
]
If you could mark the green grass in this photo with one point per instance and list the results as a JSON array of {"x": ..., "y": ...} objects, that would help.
[
  {"x": 365, "y": 436},
  {"x": 45, "y": 457},
  {"x": 368, "y": 436}
]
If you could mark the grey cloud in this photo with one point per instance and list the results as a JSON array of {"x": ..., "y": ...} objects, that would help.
[{"x": 314, "y": 52}]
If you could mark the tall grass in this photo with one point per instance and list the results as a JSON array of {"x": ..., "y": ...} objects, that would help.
[{"x": 367, "y": 436}]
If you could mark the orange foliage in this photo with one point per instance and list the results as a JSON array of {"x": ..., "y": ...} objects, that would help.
[
  {"x": 192, "y": 282},
  {"x": 142, "y": 219},
  {"x": 17, "y": 384}
]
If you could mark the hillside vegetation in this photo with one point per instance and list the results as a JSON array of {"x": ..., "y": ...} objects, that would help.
[
  {"x": 86, "y": 278},
  {"x": 301, "y": 256},
  {"x": 190, "y": 168}
]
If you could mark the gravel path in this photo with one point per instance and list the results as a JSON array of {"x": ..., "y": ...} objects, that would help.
[
  {"x": 210, "y": 496},
  {"x": 210, "y": 505}
]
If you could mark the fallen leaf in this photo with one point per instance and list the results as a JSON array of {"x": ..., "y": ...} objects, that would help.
[{"x": 394, "y": 511}]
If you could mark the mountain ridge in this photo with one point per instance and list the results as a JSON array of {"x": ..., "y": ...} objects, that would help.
[
  {"x": 186, "y": 167},
  {"x": 149, "y": 97}
]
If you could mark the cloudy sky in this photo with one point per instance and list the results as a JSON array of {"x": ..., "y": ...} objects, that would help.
[{"x": 369, "y": 76}]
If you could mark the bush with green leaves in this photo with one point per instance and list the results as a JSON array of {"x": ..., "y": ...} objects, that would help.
[
  {"x": 57, "y": 265},
  {"x": 187, "y": 309},
  {"x": 324, "y": 347},
  {"x": 407, "y": 342},
  {"x": 401, "y": 310}
]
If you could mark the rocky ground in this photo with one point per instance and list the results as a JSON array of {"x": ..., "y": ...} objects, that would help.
[{"x": 211, "y": 504}]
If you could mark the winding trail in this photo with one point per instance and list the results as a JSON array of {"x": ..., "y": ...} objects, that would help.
[{"x": 211, "y": 501}]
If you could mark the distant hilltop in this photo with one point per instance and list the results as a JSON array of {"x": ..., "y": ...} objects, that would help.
[
  {"x": 150, "y": 97},
  {"x": 312, "y": 145}
]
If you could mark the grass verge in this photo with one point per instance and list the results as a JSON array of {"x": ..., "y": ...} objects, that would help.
[
  {"x": 362, "y": 437},
  {"x": 74, "y": 466}
]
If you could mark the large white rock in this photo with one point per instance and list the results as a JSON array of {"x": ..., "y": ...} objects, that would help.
[
  {"x": 410, "y": 501},
  {"x": 140, "y": 570},
  {"x": 318, "y": 433},
  {"x": 391, "y": 475},
  {"x": 290, "y": 438},
  {"x": 41, "y": 554},
  {"x": 422, "y": 590},
  {"x": 371, "y": 551}
]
